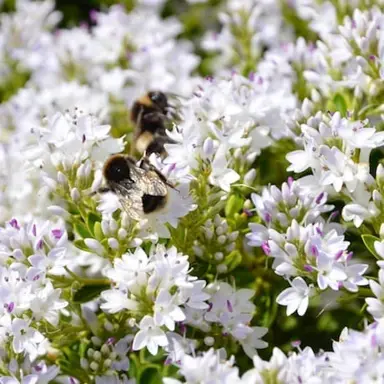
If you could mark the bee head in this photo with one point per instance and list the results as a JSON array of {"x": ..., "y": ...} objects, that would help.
[
  {"x": 159, "y": 99},
  {"x": 116, "y": 168}
]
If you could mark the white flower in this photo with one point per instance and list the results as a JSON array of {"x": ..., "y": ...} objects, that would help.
[
  {"x": 27, "y": 339},
  {"x": 149, "y": 336},
  {"x": 47, "y": 304},
  {"x": 166, "y": 312},
  {"x": 295, "y": 298},
  {"x": 329, "y": 273},
  {"x": 376, "y": 305},
  {"x": 221, "y": 175},
  {"x": 116, "y": 300}
]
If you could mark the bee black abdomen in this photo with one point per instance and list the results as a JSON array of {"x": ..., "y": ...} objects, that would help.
[
  {"x": 152, "y": 122},
  {"x": 116, "y": 169},
  {"x": 153, "y": 203},
  {"x": 139, "y": 110},
  {"x": 157, "y": 145}
]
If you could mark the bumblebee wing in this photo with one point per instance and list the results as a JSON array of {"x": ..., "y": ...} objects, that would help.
[
  {"x": 130, "y": 197},
  {"x": 148, "y": 182}
]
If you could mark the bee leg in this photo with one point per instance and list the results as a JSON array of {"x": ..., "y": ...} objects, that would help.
[{"x": 101, "y": 190}]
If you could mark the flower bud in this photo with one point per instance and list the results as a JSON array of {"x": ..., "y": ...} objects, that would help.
[
  {"x": 113, "y": 225},
  {"x": 108, "y": 326},
  {"x": 222, "y": 268},
  {"x": 107, "y": 363},
  {"x": 219, "y": 256},
  {"x": 59, "y": 211},
  {"x": 121, "y": 234},
  {"x": 97, "y": 356},
  {"x": 94, "y": 366},
  {"x": 250, "y": 176},
  {"x": 84, "y": 363},
  {"x": 98, "y": 179},
  {"x": 237, "y": 154},
  {"x": 198, "y": 250},
  {"x": 380, "y": 171},
  {"x": 219, "y": 231},
  {"x": 250, "y": 158},
  {"x": 105, "y": 227},
  {"x": 113, "y": 243},
  {"x": 62, "y": 179},
  {"x": 208, "y": 147},
  {"x": 376, "y": 195},
  {"x": 222, "y": 239},
  {"x": 96, "y": 341},
  {"x": 94, "y": 245},
  {"x": 80, "y": 174},
  {"x": 208, "y": 233},
  {"x": 209, "y": 341},
  {"x": 306, "y": 108},
  {"x": 105, "y": 349},
  {"x": 136, "y": 242},
  {"x": 75, "y": 194}
]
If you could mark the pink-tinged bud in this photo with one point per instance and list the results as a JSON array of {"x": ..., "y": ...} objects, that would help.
[
  {"x": 339, "y": 254},
  {"x": 333, "y": 215},
  {"x": 374, "y": 341},
  {"x": 308, "y": 268},
  {"x": 93, "y": 15},
  {"x": 319, "y": 198},
  {"x": 13, "y": 223},
  {"x": 296, "y": 343},
  {"x": 265, "y": 247},
  {"x": 229, "y": 306},
  {"x": 349, "y": 256},
  {"x": 314, "y": 251},
  {"x": 57, "y": 233}
]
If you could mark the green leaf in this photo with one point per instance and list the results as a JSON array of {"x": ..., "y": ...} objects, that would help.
[
  {"x": 369, "y": 242},
  {"x": 234, "y": 205},
  {"x": 98, "y": 232},
  {"x": 81, "y": 245},
  {"x": 92, "y": 219},
  {"x": 88, "y": 292},
  {"x": 81, "y": 230},
  {"x": 150, "y": 375},
  {"x": 340, "y": 104},
  {"x": 367, "y": 110},
  {"x": 233, "y": 260}
]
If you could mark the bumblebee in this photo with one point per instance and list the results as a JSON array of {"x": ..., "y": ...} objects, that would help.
[
  {"x": 149, "y": 113},
  {"x": 141, "y": 189},
  {"x": 152, "y": 102}
]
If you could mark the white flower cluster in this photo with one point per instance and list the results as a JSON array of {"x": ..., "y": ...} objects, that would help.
[
  {"x": 29, "y": 301},
  {"x": 158, "y": 293},
  {"x": 303, "y": 245},
  {"x": 362, "y": 349},
  {"x": 225, "y": 126}
]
